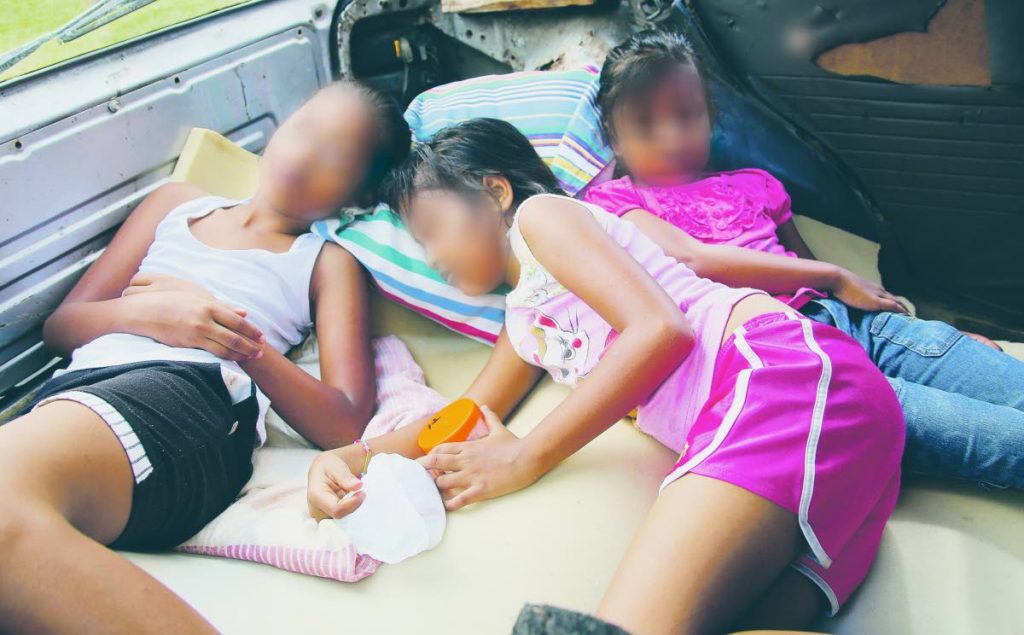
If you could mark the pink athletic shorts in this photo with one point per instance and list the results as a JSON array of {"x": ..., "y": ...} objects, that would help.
[{"x": 800, "y": 416}]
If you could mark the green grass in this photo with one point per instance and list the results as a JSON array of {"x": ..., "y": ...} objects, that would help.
[{"x": 24, "y": 21}]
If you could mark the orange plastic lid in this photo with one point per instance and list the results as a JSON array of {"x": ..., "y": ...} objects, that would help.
[{"x": 451, "y": 424}]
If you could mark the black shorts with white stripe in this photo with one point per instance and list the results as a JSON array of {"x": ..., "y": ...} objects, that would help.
[{"x": 190, "y": 448}]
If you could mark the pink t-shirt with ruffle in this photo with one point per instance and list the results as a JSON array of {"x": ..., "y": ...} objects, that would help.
[{"x": 743, "y": 208}]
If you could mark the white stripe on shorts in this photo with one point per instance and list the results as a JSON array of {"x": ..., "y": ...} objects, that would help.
[
  {"x": 129, "y": 440},
  {"x": 738, "y": 401},
  {"x": 811, "y": 453}
]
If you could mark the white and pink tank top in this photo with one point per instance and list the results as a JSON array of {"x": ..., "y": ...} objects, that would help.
[{"x": 551, "y": 327}]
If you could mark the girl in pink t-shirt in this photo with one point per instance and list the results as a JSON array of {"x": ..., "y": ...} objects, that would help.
[
  {"x": 744, "y": 208},
  {"x": 657, "y": 114}
]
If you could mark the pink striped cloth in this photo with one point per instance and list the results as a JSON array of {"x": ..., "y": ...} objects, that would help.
[{"x": 270, "y": 524}]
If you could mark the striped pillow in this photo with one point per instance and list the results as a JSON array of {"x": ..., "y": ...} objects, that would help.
[
  {"x": 556, "y": 112},
  {"x": 554, "y": 109}
]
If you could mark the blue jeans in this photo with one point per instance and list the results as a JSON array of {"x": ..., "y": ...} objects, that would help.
[{"x": 963, "y": 401}]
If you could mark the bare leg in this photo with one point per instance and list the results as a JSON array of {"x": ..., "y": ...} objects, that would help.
[
  {"x": 792, "y": 602},
  {"x": 703, "y": 556},
  {"x": 65, "y": 490}
]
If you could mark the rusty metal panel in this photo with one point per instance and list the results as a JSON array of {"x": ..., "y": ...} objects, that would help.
[{"x": 952, "y": 52}]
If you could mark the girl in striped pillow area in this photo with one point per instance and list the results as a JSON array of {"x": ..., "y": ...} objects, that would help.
[{"x": 177, "y": 336}]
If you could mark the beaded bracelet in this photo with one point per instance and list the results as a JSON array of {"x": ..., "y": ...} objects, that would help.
[{"x": 368, "y": 453}]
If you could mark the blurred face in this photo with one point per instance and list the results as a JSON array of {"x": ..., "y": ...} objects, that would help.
[
  {"x": 465, "y": 237},
  {"x": 664, "y": 136},
  {"x": 320, "y": 156}
]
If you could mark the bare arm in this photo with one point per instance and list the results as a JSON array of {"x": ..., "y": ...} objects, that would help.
[
  {"x": 736, "y": 266},
  {"x": 740, "y": 267},
  {"x": 501, "y": 385},
  {"x": 333, "y": 410},
  {"x": 95, "y": 307},
  {"x": 654, "y": 337}
]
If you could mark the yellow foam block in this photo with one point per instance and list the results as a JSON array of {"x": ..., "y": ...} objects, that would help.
[{"x": 217, "y": 165}]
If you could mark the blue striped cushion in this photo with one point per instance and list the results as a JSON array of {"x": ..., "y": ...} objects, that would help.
[{"x": 554, "y": 109}]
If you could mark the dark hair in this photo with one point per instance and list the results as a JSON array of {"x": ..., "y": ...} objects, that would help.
[
  {"x": 394, "y": 138},
  {"x": 632, "y": 68},
  {"x": 460, "y": 156}
]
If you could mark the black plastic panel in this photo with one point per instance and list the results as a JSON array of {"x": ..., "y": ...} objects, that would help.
[{"x": 943, "y": 166}]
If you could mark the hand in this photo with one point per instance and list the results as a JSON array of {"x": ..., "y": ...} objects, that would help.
[
  {"x": 477, "y": 470},
  {"x": 183, "y": 314},
  {"x": 333, "y": 491},
  {"x": 866, "y": 295}
]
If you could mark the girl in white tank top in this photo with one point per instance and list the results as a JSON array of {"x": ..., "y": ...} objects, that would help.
[
  {"x": 177, "y": 336},
  {"x": 272, "y": 287}
]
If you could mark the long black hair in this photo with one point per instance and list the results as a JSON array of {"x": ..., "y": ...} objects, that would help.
[
  {"x": 634, "y": 67},
  {"x": 460, "y": 156}
]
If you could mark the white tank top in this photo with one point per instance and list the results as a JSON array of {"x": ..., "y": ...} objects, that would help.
[{"x": 272, "y": 287}]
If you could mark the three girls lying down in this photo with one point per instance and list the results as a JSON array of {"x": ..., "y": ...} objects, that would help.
[
  {"x": 790, "y": 436},
  {"x": 177, "y": 337}
]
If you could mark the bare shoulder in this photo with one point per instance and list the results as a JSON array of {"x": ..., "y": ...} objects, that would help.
[
  {"x": 551, "y": 214},
  {"x": 334, "y": 257},
  {"x": 165, "y": 198},
  {"x": 178, "y": 193},
  {"x": 334, "y": 267}
]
